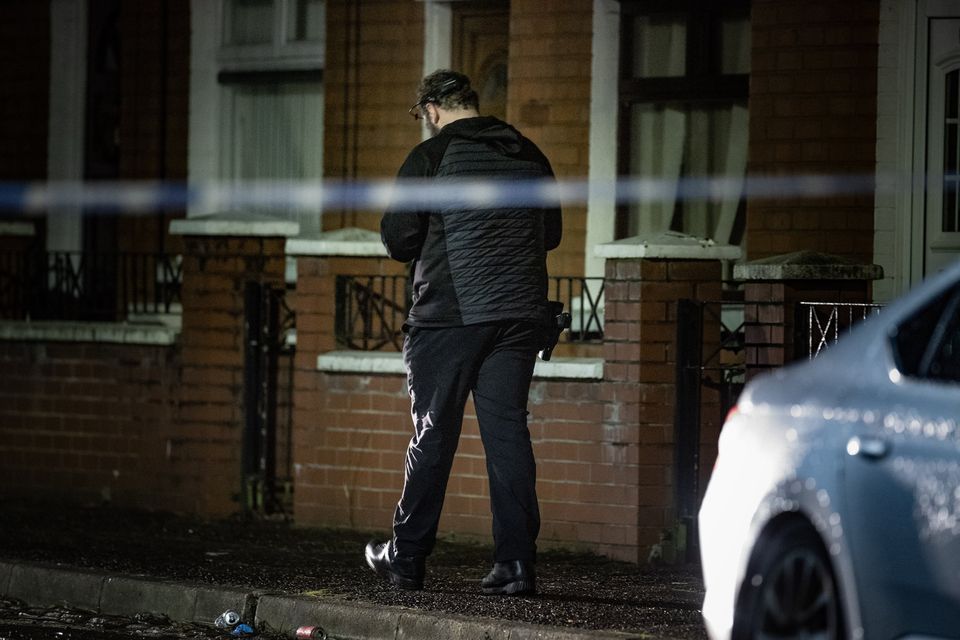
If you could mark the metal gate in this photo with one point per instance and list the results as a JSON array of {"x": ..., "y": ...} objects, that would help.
[
  {"x": 266, "y": 455},
  {"x": 711, "y": 362},
  {"x": 710, "y": 373}
]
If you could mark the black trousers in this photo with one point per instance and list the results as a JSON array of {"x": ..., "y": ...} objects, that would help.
[{"x": 495, "y": 362}]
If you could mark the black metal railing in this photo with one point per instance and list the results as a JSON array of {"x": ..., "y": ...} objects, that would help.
[
  {"x": 583, "y": 299},
  {"x": 370, "y": 310},
  {"x": 822, "y": 323},
  {"x": 46, "y": 285}
]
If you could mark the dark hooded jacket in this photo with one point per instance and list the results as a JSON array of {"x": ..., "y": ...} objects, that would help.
[{"x": 475, "y": 265}]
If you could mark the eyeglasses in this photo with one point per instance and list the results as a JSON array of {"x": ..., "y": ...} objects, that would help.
[
  {"x": 445, "y": 89},
  {"x": 417, "y": 110}
]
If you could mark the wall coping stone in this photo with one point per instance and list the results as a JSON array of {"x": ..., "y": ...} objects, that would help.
[
  {"x": 234, "y": 224},
  {"x": 109, "y": 332},
  {"x": 668, "y": 244},
  {"x": 351, "y": 241},
  {"x": 392, "y": 362},
  {"x": 17, "y": 229},
  {"x": 806, "y": 265}
]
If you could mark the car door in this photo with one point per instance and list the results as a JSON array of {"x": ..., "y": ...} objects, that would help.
[{"x": 902, "y": 478}]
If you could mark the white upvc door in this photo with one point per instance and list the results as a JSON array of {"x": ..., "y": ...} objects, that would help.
[{"x": 942, "y": 211}]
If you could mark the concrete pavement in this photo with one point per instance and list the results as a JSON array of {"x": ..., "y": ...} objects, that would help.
[{"x": 40, "y": 584}]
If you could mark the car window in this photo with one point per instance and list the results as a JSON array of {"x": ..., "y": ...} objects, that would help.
[
  {"x": 927, "y": 344},
  {"x": 942, "y": 359}
]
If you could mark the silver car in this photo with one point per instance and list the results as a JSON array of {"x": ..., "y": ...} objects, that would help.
[{"x": 834, "y": 507}]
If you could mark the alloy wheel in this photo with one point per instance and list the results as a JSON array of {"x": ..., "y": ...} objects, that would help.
[{"x": 798, "y": 598}]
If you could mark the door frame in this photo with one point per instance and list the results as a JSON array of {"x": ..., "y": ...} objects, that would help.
[
  {"x": 936, "y": 241},
  {"x": 916, "y": 40}
]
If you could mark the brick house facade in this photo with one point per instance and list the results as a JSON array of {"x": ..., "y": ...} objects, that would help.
[{"x": 155, "y": 417}]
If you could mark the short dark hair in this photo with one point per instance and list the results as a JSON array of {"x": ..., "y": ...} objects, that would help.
[{"x": 448, "y": 89}]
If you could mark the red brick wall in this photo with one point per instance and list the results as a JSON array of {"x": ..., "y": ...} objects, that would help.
[
  {"x": 587, "y": 467},
  {"x": 208, "y": 421},
  {"x": 604, "y": 448},
  {"x": 374, "y": 63},
  {"x": 168, "y": 419},
  {"x": 333, "y": 415},
  {"x": 352, "y": 432},
  {"x": 640, "y": 372},
  {"x": 25, "y": 78},
  {"x": 813, "y": 88},
  {"x": 86, "y": 422},
  {"x": 548, "y": 99}
]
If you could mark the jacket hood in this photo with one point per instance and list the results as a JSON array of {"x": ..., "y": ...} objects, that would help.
[{"x": 488, "y": 130}]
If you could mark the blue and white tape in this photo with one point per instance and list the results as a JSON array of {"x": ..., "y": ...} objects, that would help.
[{"x": 413, "y": 195}]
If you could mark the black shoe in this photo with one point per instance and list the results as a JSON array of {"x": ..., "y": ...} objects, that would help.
[
  {"x": 510, "y": 578},
  {"x": 405, "y": 572}
]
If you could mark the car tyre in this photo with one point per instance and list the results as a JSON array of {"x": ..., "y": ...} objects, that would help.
[{"x": 789, "y": 590}]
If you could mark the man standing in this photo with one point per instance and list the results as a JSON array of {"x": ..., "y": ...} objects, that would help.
[{"x": 476, "y": 324}]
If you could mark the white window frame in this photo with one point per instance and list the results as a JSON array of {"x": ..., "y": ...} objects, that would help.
[
  {"x": 602, "y": 163},
  {"x": 279, "y": 55},
  {"x": 210, "y": 100}
]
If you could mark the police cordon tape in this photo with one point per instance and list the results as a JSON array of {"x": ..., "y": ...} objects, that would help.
[{"x": 420, "y": 194}]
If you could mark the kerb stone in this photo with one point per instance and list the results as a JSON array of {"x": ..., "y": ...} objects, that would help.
[
  {"x": 129, "y": 596},
  {"x": 47, "y": 586}
]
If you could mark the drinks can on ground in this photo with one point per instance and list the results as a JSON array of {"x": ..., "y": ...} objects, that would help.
[
  {"x": 227, "y": 620},
  {"x": 311, "y": 633}
]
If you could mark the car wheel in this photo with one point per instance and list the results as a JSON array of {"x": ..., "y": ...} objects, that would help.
[{"x": 789, "y": 590}]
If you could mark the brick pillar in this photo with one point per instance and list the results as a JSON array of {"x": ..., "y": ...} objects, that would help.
[
  {"x": 645, "y": 279},
  {"x": 328, "y": 411},
  {"x": 205, "y": 445},
  {"x": 774, "y": 286}
]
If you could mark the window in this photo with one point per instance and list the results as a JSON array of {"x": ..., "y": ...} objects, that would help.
[
  {"x": 927, "y": 345},
  {"x": 683, "y": 93},
  {"x": 270, "y": 63},
  {"x": 943, "y": 358},
  {"x": 273, "y": 34}
]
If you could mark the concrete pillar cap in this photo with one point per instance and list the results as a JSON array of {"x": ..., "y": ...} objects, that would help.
[
  {"x": 235, "y": 223},
  {"x": 668, "y": 244},
  {"x": 806, "y": 265},
  {"x": 350, "y": 241}
]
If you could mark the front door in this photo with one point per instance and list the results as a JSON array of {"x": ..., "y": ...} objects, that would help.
[{"x": 942, "y": 213}]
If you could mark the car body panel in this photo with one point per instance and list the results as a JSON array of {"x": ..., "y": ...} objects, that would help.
[{"x": 870, "y": 457}]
